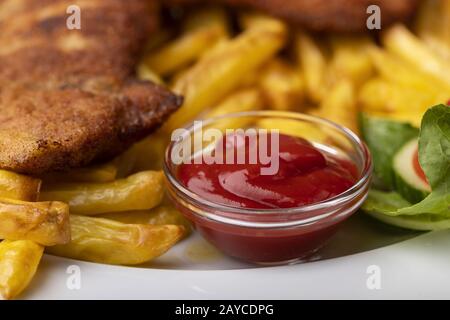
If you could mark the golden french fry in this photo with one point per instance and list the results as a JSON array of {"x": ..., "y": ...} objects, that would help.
[
  {"x": 374, "y": 96},
  {"x": 151, "y": 153},
  {"x": 282, "y": 86},
  {"x": 350, "y": 59},
  {"x": 19, "y": 259},
  {"x": 147, "y": 154},
  {"x": 250, "y": 80},
  {"x": 204, "y": 28},
  {"x": 18, "y": 186},
  {"x": 107, "y": 241},
  {"x": 143, "y": 190},
  {"x": 340, "y": 105},
  {"x": 379, "y": 95},
  {"x": 398, "y": 71},
  {"x": 18, "y": 264},
  {"x": 313, "y": 65},
  {"x": 399, "y": 40},
  {"x": 294, "y": 128},
  {"x": 161, "y": 215},
  {"x": 100, "y": 173},
  {"x": 145, "y": 73},
  {"x": 220, "y": 71},
  {"x": 438, "y": 46},
  {"x": 46, "y": 223},
  {"x": 243, "y": 100}
]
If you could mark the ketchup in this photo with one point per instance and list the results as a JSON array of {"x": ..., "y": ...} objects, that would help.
[{"x": 305, "y": 176}]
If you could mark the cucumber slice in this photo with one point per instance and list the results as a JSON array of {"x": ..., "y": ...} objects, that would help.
[{"x": 408, "y": 182}]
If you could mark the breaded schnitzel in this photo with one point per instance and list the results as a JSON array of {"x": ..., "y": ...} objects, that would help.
[
  {"x": 69, "y": 97},
  {"x": 325, "y": 15}
]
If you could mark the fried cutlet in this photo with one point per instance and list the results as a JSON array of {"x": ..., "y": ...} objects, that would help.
[
  {"x": 69, "y": 97},
  {"x": 325, "y": 15}
]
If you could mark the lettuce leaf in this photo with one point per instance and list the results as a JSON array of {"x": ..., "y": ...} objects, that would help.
[
  {"x": 434, "y": 158},
  {"x": 379, "y": 204},
  {"x": 384, "y": 138}
]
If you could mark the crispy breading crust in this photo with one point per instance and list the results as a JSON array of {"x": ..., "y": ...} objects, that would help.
[
  {"x": 325, "y": 15},
  {"x": 69, "y": 97},
  {"x": 56, "y": 129},
  {"x": 35, "y": 42}
]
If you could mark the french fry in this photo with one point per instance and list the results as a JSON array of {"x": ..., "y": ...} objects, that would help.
[
  {"x": 18, "y": 264},
  {"x": 398, "y": 71},
  {"x": 438, "y": 46},
  {"x": 373, "y": 96},
  {"x": 379, "y": 95},
  {"x": 294, "y": 128},
  {"x": 18, "y": 186},
  {"x": 145, "y": 73},
  {"x": 203, "y": 29},
  {"x": 282, "y": 86},
  {"x": 243, "y": 100},
  {"x": 340, "y": 105},
  {"x": 400, "y": 41},
  {"x": 313, "y": 65},
  {"x": 18, "y": 259},
  {"x": 350, "y": 59},
  {"x": 161, "y": 215},
  {"x": 220, "y": 71},
  {"x": 46, "y": 223},
  {"x": 107, "y": 241},
  {"x": 151, "y": 153},
  {"x": 100, "y": 173},
  {"x": 143, "y": 190},
  {"x": 250, "y": 80},
  {"x": 147, "y": 154}
]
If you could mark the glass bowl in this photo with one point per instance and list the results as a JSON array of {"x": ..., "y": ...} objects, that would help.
[{"x": 272, "y": 236}]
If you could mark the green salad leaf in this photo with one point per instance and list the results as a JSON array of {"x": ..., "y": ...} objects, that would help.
[
  {"x": 384, "y": 138},
  {"x": 379, "y": 203},
  {"x": 385, "y": 202},
  {"x": 434, "y": 157}
]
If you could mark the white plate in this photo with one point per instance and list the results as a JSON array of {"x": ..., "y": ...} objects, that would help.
[{"x": 410, "y": 265}]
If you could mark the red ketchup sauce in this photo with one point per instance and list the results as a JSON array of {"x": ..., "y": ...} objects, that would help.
[{"x": 305, "y": 175}]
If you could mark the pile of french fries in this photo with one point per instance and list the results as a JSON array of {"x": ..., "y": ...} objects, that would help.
[
  {"x": 113, "y": 213},
  {"x": 116, "y": 212},
  {"x": 265, "y": 64}
]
